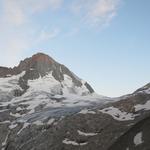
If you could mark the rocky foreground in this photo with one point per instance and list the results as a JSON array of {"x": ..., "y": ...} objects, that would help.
[{"x": 121, "y": 125}]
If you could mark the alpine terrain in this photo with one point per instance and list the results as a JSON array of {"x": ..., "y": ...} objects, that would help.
[{"x": 45, "y": 106}]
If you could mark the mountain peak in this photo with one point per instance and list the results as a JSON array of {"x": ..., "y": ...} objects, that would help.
[
  {"x": 41, "y": 57},
  {"x": 41, "y": 66},
  {"x": 37, "y": 61},
  {"x": 37, "y": 65}
]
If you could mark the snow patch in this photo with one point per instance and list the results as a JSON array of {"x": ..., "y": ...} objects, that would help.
[
  {"x": 147, "y": 91},
  {"x": 17, "y": 115},
  {"x": 117, "y": 114},
  {"x": 138, "y": 139},
  {"x": 24, "y": 126},
  {"x": 70, "y": 88},
  {"x": 10, "y": 83},
  {"x": 38, "y": 123},
  {"x": 47, "y": 84},
  {"x": 68, "y": 142},
  {"x": 8, "y": 75},
  {"x": 51, "y": 121},
  {"x": 86, "y": 111},
  {"x": 5, "y": 141},
  {"x": 12, "y": 126},
  {"x": 19, "y": 109},
  {"x": 145, "y": 106},
  {"x": 86, "y": 134},
  {"x": 5, "y": 122}
]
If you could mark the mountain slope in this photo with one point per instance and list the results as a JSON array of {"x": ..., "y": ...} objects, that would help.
[
  {"x": 119, "y": 125},
  {"x": 39, "y": 86}
]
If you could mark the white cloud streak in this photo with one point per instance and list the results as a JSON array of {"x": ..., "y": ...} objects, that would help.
[
  {"x": 96, "y": 12},
  {"x": 13, "y": 13},
  {"x": 45, "y": 35},
  {"x": 18, "y": 12},
  {"x": 40, "y": 5}
]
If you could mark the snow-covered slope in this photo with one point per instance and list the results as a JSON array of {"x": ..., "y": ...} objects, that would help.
[
  {"x": 40, "y": 83},
  {"x": 144, "y": 89},
  {"x": 45, "y": 91}
]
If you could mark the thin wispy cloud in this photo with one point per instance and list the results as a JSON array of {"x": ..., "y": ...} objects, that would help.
[
  {"x": 96, "y": 12},
  {"x": 12, "y": 12},
  {"x": 18, "y": 12},
  {"x": 44, "y": 35},
  {"x": 40, "y": 5}
]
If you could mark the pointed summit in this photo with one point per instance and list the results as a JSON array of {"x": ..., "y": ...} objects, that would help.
[
  {"x": 40, "y": 62},
  {"x": 41, "y": 57}
]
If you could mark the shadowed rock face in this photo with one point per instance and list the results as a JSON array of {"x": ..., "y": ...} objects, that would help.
[
  {"x": 6, "y": 71},
  {"x": 137, "y": 138},
  {"x": 39, "y": 63}
]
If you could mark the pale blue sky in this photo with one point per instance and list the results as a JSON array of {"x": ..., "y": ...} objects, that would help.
[{"x": 105, "y": 42}]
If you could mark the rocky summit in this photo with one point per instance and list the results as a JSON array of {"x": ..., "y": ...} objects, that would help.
[{"x": 45, "y": 106}]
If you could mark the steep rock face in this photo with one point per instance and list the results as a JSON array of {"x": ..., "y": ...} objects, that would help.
[
  {"x": 4, "y": 71},
  {"x": 136, "y": 138}
]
